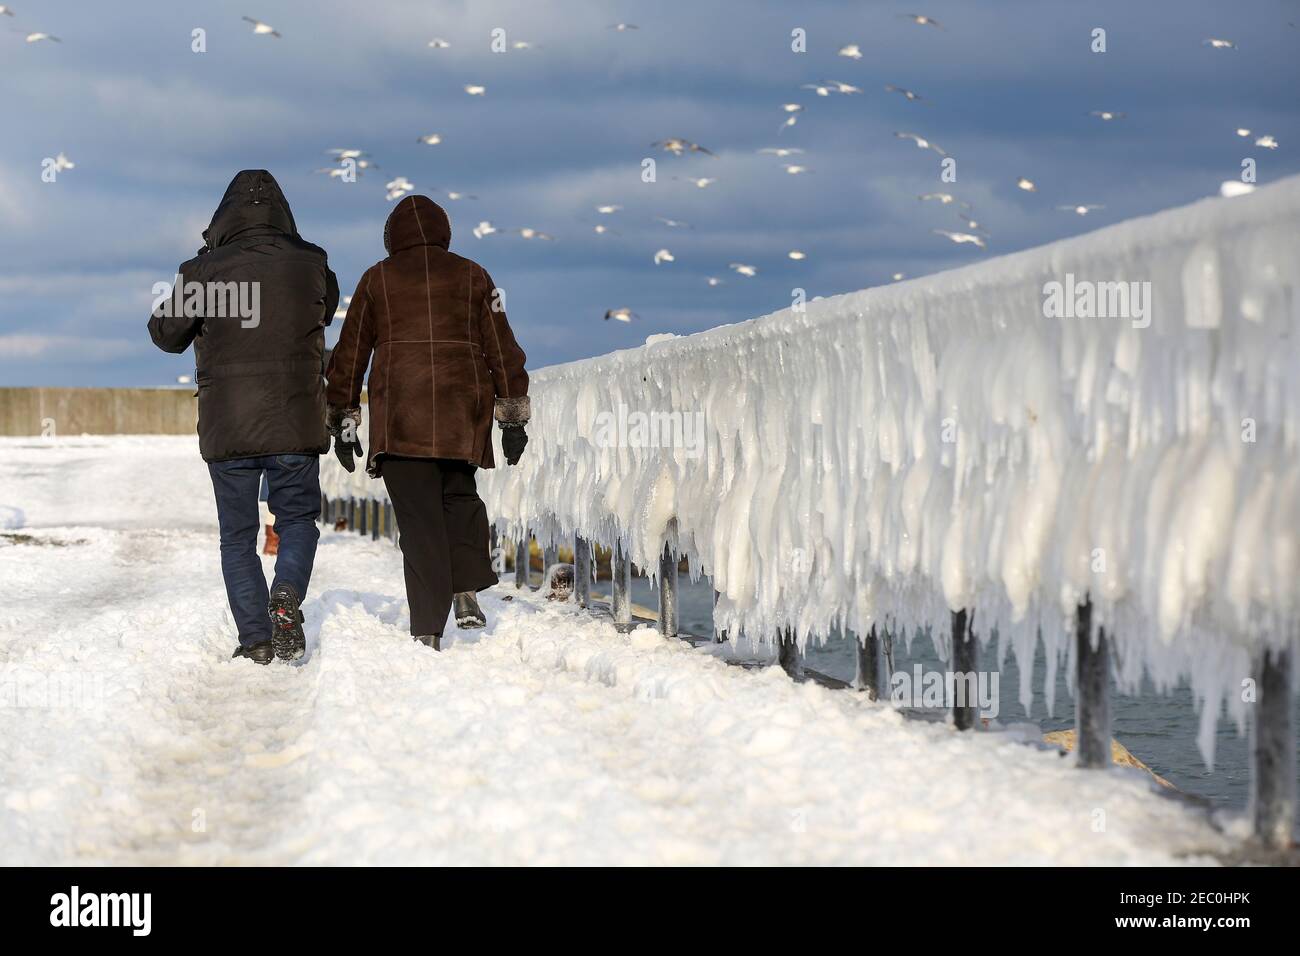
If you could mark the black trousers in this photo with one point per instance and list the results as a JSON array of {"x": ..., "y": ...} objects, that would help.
[{"x": 443, "y": 529}]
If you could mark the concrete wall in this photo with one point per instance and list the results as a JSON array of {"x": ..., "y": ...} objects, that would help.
[{"x": 98, "y": 411}]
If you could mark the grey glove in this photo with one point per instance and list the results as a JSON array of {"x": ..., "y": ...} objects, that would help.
[{"x": 343, "y": 424}]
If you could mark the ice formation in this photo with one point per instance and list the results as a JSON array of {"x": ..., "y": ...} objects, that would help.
[{"x": 891, "y": 454}]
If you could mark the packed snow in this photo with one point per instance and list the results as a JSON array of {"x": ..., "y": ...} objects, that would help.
[
  {"x": 983, "y": 438},
  {"x": 131, "y": 737}
]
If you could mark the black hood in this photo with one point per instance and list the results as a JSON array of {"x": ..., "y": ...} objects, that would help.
[{"x": 253, "y": 200}]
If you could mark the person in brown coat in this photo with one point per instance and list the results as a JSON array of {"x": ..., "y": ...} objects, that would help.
[{"x": 445, "y": 364}]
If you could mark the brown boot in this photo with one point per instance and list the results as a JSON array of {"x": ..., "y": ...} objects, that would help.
[{"x": 272, "y": 545}]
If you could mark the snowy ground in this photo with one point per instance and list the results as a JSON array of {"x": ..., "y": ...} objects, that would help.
[{"x": 130, "y": 737}]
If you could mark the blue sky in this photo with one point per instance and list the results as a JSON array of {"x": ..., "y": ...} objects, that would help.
[{"x": 156, "y": 131}]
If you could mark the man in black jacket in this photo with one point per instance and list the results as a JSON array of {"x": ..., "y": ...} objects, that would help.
[{"x": 255, "y": 302}]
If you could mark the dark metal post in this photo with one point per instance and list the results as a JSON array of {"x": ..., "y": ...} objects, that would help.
[
  {"x": 363, "y": 516},
  {"x": 963, "y": 671},
  {"x": 1091, "y": 692},
  {"x": 582, "y": 570},
  {"x": 788, "y": 655},
  {"x": 374, "y": 519},
  {"x": 621, "y": 588},
  {"x": 324, "y": 508},
  {"x": 521, "y": 562},
  {"x": 668, "y": 593},
  {"x": 868, "y": 676},
  {"x": 1273, "y": 744}
]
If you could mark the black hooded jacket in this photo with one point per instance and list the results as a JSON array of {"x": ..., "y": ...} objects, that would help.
[{"x": 259, "y": 368}]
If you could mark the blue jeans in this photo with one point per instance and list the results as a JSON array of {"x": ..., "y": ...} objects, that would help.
[{"x": 294, "y": 499}]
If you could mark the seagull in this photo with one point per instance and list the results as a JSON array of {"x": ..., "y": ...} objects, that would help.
[
  {"x": 1233, "y": 187},
  {"x": 523, "y": 45},
  {"x": 663, "y": 255},
  {"x": 921, "y": 19},
  {"x": 1219, "y": 44},
  {"x": 700, "y": 182},
  {"x": 971, "y": 224},
  {"x": 61, "y": 162},
  {"x": 433, "y": 139},
  {"x": 6, "y": 11},
  {"x": 1106, "y": 115},
  {"x": 672, "y": 223},
  {"x": 1268, "y": 142},
  {"x": 607, "y": 210},
  {"x": 794, "y": 109},
  {"x": 852, "y": 51},
  {"x": 623, "y": 315},
  {"x": 944, "y": 198},
  {"x": 260, "y": 28},
  {"x": 453, "y": 195},
  {"x": 1242, "y": 131},
  {"x": 600, "y": 229},
  {"x": 780, "y": 151},
  {"x": 530, "y": 233},
  {"x": 623, "y": 27},
  {"x": 794, "y": 169},
  {"x": 1081, "y": 210},
  {"x": 821, "y": 90},
  {"x": 796, "y": 255},
  {"x": 921, "y": 142},
  {"x": 484, "y": 228},
  {"x": 713, "y": 281},
  {"x": 960, "y": 237},
  {"x": 475, "y": 90},
  {"x": 334, "y": 171},
  {"x": 899, "y": 276},
  {"x": 438, "y": 43},
  {"x": 1026, "y": 184},
  {"x": 38, "y": 37},
  {"x": 346, "y": 153},
  {"x": 910, "y": 95},
  {"x": 678, "y": 146},
  {"x": 743, "y": 269},
  {"x": 398, "y": 188}
]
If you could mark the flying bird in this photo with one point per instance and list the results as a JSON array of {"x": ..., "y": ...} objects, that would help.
[
  {"x": 743, "y": 269},
  {"x": 827, "y": 87},
  {"x": 260, "y": 28},
  {"x": 794, "y": 109},
  {"x": 781, "y": 151},
  {"x": 678, "y": 146},
  {"x": 960, "y": 237},
  {"x": 454, "y": 195},
  {"x": 1268, "y": 142},
  {"x": 796, "y": 255},
  {"x": 623, "y": 27},
  {"x": 398, "y": 188},
  {"x": 672, "y": 223},
  {"x": 432, "y": 139},
  {"x": 921, "y": 19},
  {"x": 622, "y": 315},
  {"x": 346, "y": 153},
  {"x": 699, "y": 182},
  {"x": 910, "y": 95},
  {"x": 438, "y": 43},
  {"x": 921, "y": 142},
  {"x": 944, "y": 198},
  {"x": 713, "y": 281},
  {"x": 484, "y": 228},
  {"x": 1106, "y": 115},
  {"x": 794, "y": 169},
  {"x": 852, "y": 51},
  {"x": 1081, "y": 210},
  {"x": 6, "y": 11},
  {"x": 607, "y": 210},
  {"x": 1026, "y": 184},
  {"x": 1219, "y": 44},
  {"x": 530, "y": 233},
  {"x": 61, "y": 162},
  {"x": 899, "y": 276},
  {"x": 475, "y": 90},
  {"x": 600, "y": 229},
  {"x": 334, "y": 172},
  {"x": 38, "y": 37},
  {"x": 1242, "y": 131},
  {"x": 663, "y": 255}
]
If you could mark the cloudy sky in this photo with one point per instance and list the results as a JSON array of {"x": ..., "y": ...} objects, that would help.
[{"x": 156, "y": 131}]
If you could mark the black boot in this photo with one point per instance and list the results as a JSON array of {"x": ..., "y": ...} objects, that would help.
[
  {"x": 259, "y": 653},
  {"x": 286, "y": 624},
  {"x": 430, "y": 640},
  {"x": 468, "y": 613}
]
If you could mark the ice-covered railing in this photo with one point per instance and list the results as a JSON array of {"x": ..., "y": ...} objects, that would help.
[{"x": 891, "y": 455}]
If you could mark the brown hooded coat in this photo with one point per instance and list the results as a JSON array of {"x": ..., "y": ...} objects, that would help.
[{"x": 445, "y": 360}]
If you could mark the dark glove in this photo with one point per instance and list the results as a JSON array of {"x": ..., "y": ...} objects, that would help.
[
  {"x": 343, "y": 424},
  {"x": 513, "y": 440}
]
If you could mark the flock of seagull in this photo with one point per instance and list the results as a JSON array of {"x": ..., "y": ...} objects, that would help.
[{"x": 351, "y": 162}]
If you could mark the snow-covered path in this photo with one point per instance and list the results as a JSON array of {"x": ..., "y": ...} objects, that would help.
[{"x": 128, "y": 736}]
